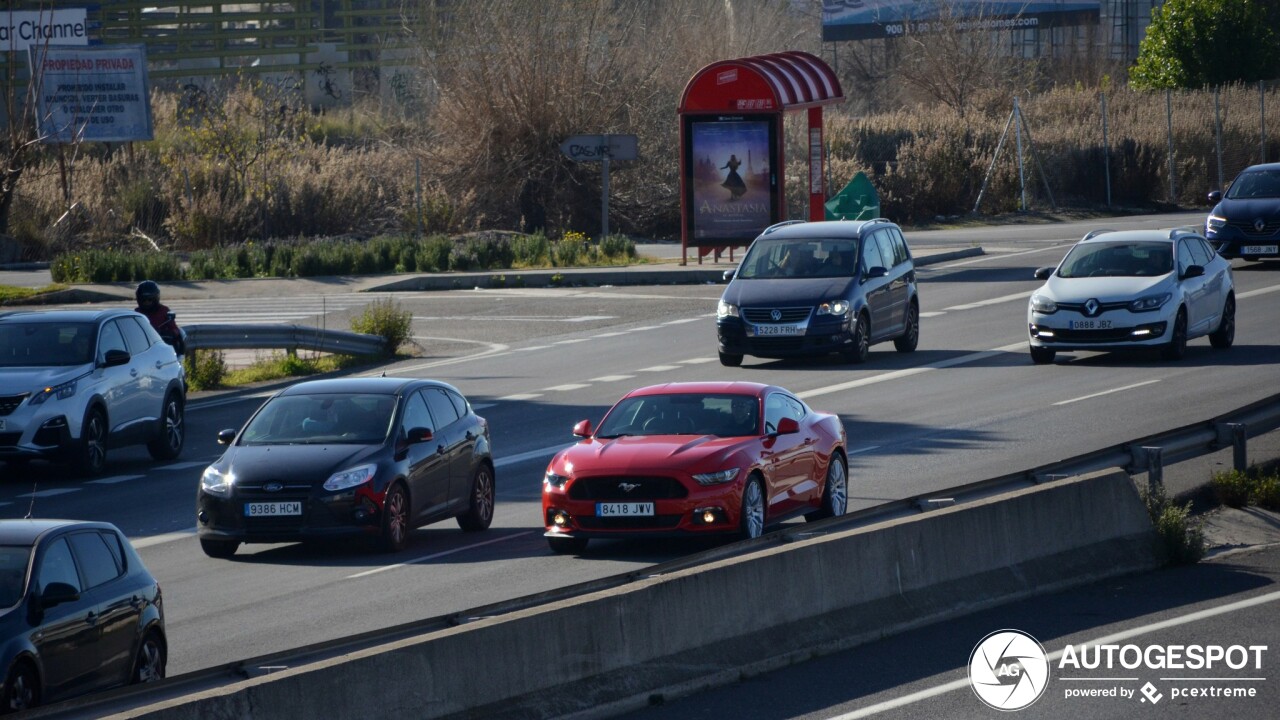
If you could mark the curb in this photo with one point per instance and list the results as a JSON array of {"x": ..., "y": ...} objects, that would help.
[{"x": 66, "y": 297}]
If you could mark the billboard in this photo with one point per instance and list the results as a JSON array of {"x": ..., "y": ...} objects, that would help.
[
  {"x": 94, "y": 93},
  {"x": 869, "y": 19},
  {"x": 732, "y": 186},
  {"x": 21, "y": 29}
]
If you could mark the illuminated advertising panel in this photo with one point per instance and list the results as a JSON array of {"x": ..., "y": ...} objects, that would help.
[
  {"x": 731, "y": 183},
  {"x": 868, "y": 19}
]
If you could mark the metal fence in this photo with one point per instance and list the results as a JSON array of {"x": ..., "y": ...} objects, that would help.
[{"x": 220, "y": 336}]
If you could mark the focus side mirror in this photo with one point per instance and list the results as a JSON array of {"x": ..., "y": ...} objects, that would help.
[
  {"x": 1043, "y": 273},
  {"x": 1215, "y": 196},
  {"x": 582, "y": 429},
  {"x": 730, "y": 274},
  {"x": 419, "y": 435},
  {"x": 876, "y": 272},
  {"x": 57, "y": 593},
  {"x": 226, "y": 437}
]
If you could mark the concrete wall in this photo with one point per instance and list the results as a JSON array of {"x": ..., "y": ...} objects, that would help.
[{"x": 705, "y": 625}]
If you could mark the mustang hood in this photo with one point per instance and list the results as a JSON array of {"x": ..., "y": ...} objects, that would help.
[
  {"x": 786, "y": 291},
  {"x": 648, "y": 452},
  {"x": 1104, "y": 289},
  {"x": 307, "y": 463}
]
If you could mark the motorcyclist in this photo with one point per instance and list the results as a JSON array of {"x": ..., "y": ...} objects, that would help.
[{"x": 158, "y": 314}]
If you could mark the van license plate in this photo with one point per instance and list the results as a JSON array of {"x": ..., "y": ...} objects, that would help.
[{"x": 776, "y": 330}]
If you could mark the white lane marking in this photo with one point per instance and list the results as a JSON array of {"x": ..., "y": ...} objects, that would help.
[
  {"x": 532, "y": 347},
  {"x": 697, "y": 361},
  {"x": 114, "y": 480},
  {"x": 1259, "y": 291},
  {"x": 868, "y": 448},
  {"x": 931, "y": 314},
  {"x": 1106, "y": 392},
  {"x": 660, "y": 368},
  {"x": 184, "y": 465},
  {"x": 987, "y": 258},
  {"x": 608, "y": 335},
  {"x": 952, "y": 362},
  {"x": 567, "y": 387},
  {"x": 546, "y": 452},
  {"x": 612, "y": 378},
  {"x": 433, "y": 556},
  {"x": 947, "y": 687},
  {"x": 589, "y": 318},
  {"x": 647, "y": 327},
  {"x": 680, "y": 322},
  {"x": 160, "y": 539},
  {"x": 482, "y": 406},
  {"x": 570, "y": 341},
  {"x": 992, "y": 301},
  {"x": 521, "y": 396},
  {"x": 49, "y": 493},
  {"x": 206, "y": 404},
  {"x": 515, "y": 318},
  {"x": 494, "y": 349}
]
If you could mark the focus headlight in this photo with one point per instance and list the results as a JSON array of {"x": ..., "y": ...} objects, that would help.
[
  {"x": 350, "y": 478},
  {"x": 835, "y": 307},
  {"x": 61, "y": 392},
  {"x": 716, "y": 478},
  {"x": 725, "y": 309},
  {"x": 554, "y": 480},
  {"x": 215, "y": 482},
  {"x": 1215, "y": 223},
  {"x": 1149, "y": 303},
  {"x": 1043, "y": 304}
]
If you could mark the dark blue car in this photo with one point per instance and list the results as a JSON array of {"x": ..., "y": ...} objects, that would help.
[
  {"x": 813, "y": 288},
  {"x": 1245, "y": 221}
]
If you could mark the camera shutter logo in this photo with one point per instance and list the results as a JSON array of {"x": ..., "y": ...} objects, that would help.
[{"x": 1008, "y": 670}]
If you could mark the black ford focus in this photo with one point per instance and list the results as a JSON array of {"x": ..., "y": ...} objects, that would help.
[{"x": 365, "y": 457}]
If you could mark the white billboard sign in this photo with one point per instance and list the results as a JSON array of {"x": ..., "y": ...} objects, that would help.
[{"x": 20, "y": 29}]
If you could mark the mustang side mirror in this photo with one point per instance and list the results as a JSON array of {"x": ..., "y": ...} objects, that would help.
[
  {"x": 582, "y": 429},
  {"x": 226, "y": 437},
  {"x": 1043, "y": 273},
  {"x": 787, "y": 426},
  {"x": 1193, "y": 271},
  {"x": 1215, "y": 196}
]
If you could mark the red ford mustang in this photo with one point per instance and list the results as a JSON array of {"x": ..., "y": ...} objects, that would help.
[{"x": 686, "y": 458}]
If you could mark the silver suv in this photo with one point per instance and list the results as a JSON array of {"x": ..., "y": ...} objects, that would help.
[{"x": 74, "y": 383}]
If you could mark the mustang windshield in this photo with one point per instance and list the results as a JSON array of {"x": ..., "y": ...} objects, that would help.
[
  {"x": 775, "y": 258},
  {"x": 683, "y": 414},
  {"x": 45, "y": 344},
  {"x": 1256, "y": 184},
  {"x": 322, "y": 419},
  {"x": 1118, "y": 259}
]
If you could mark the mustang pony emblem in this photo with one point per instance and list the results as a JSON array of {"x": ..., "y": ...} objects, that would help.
[{"x": 627, "y": 487}]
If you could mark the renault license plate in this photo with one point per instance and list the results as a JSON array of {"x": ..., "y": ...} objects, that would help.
[
  {"x": 624, "y": 509},
  {"x": 271, "y": 509},
  {"x": 1259, "y": 250},
  {"x": 776, "y": 330},
  {"x": 1090, "y": 324}
]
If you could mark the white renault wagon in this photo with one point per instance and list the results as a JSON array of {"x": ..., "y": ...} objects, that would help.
[{"x": 1133, "y": 289}]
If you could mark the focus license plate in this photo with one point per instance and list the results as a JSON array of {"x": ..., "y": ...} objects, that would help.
[
  {"x": 623, "y": 509},
  {"x": 1090, "y": 324},
  {"x": 272, "y": 508},
  {"x": 1259, "y": 250},
  {"x": 777, "y": 330}
]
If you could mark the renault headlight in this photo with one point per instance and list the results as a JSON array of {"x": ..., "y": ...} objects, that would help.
[
  {"x": 1150, "y": 302},
  {"x": 1215, "y": 222},
  {"x": 716, "y": 478},
  {"x": 724, "y": 310},
  {"x": 61, "y": 392},
  {"x": 1043, "y": 304},
  {"x": 350, "y": 478},
  {"x": 835, "y": 307},
  {"x": 215, "y": 482}
]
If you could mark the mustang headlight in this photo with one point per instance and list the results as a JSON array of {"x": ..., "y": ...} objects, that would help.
[
  {"x": 351, "y": 477},
  {"x": 835, "y": 307},
  {"x": 725, "y": 309},
  {"x": 61, "y": 392},
  {"x": 554, "y": 480},
  {"x": 716, "y": 478},
  {"x": 1043, "y": 304},
  {"x": 1150, "y": 302},
  {"x": 1215, "y": 223},
  {"x": 215, "y": 482}
]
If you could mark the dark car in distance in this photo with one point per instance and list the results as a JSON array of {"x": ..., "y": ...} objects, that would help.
[
  {"x": 79, "y": 612},
  {"x": 362, "y": 457},
  {"x": 1245, "y": 220},
  {"x": 813, "y": 288}
]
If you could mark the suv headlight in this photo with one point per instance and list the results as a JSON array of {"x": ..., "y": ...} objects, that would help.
[
  {"x": 835, "y": 307},
  {"x": 215, "y": 482},
  {"x": 1043, "y": 304},
  {"x": 1149, "y": 303},
  {"x": 351, "y": 477},
  {"x": 725, "y": 309},
  {"x": 62, "y": 392},
  {"x": 554, "y": 480},
  {"x": 716, "y": 478},
  {"x": 1215, "y": 223}
]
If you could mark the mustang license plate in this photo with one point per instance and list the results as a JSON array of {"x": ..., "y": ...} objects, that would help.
[
  {"x": 774, "y": 330},
  {"x": 269, "y": 509},
  {"x": 1090, "y": 324},
  {"x": 1259, "y": 250},
  {"x": 624, "y": 509}
]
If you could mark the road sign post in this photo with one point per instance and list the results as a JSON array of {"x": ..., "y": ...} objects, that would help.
[{"x": 602, "y": 149}]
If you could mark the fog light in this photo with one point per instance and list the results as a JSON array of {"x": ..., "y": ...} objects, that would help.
[
  {"x": 560, "y": 520},
  {"x": 708, "y": 515}
]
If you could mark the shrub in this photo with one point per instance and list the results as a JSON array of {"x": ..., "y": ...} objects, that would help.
[
  {"x": 205, "y": 368},
  {"x": 1181, "y": 538},
  {"x": 531, "y": 251},
  {"x": 387, "y": 319},
  {"x": 618, "y": 247},
  {"x": 1231, "y": 487},
  {"x": 1266, "y": 492}
]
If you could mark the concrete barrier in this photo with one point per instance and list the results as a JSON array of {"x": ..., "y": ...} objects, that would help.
[{"x": 707, "y": 625}]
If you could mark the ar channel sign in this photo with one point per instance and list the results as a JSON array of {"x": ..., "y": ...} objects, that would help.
[{"x": 93, "y": 94}]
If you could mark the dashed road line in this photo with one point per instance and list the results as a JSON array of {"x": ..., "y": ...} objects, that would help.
[
  {"x": 49, "y": 493},
  {"x": 612, "y": 378},
  {"x": 697, "y": 361},
  {"x": 660, "y": 368},
  {"x": 567, "y": 387},
  {"x": 521, "y": 396},
  {"x": 433, "y": 556},
  {"x": 184, "y": 465},
  {"x": 951, "y": 362},
  {"x": 114, "y": 480},
  {"x": 1107, "y": 392}
]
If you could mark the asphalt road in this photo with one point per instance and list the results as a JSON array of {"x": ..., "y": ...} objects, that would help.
[{"x": 966, "y": 406}]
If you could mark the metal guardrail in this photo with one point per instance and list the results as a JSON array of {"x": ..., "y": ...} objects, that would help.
[
  {"x": 220, "y": 336},
  {"x": 1140, "y": 455}
]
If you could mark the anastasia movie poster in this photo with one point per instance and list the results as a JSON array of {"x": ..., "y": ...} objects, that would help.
[{"x": 731, "y": 180}]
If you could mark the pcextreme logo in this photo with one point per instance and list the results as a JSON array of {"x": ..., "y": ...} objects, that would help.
[{"x": 1008, "y": 670}]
